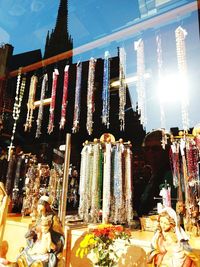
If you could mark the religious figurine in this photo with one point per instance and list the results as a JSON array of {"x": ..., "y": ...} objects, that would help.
[
  {"x": 4, "y": 200},
  {"x": 3, "y": 252},
  {"x": 193, "y": 224},
  {"x": 170, "y": 245},
  {"x": 73, "y": 188},
  {"x": 45, "y": 240},
  {"x": 165, "y": 193},
  {"x": 43, "y": 244}
]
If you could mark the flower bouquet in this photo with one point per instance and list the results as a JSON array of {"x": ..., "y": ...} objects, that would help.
[{"x": 101, "y": 243}]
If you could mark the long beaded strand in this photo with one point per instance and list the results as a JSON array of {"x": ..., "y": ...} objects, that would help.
[
  {"x": 30, "y": 104},
  {"x": 175, "y": 164},
  {"x": 118, "y": 184},
  {"x": 17, "y": 107},
  {"x": 106, "y": 183},
  {"x": 180, "y": 35},
  {"x": 122, "y": 87},
  {"x": 128, "y": 184},
  {"x": 90, "y": 96},
  {"x": 139, "y": 47},
  {"x": 95, "y": 183},
  {"x": 90, "y": 178},
  {"x": 41, "y": 107},
  {"x": 160, "y": 72},
  {"x": 192, "y": 160},
  {"x": 64, "y": 99},
  {"x": 16, "y": 104},
  {"x": 82, "y": 186},
  {"x": 185, "y": 175},
  {"x": 106, "y": 90},
  {"x": 77, "y": 103},
  {"x": 53, "y": 101}
]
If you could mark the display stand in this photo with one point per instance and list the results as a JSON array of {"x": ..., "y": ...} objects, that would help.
[
  {"x": 105, "y": 181},
  {"x": 63, "y": 205}
]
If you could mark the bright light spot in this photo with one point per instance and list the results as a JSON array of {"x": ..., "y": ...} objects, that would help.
[
  {"x": 172, "y": 88},
  {"x": 130, "y": 80}
]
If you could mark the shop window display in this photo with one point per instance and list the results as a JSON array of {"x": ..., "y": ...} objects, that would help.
[{"x": 112, "y": 88}]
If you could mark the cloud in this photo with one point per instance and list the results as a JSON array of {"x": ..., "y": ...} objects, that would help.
[
  {"x": 36, "y": 6},
  {"x": 4, "y": 36},
  {"x": 17, "y": 10}
]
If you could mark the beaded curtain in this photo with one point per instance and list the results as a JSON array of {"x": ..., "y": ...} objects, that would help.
[{"x": 105, "y": 183}]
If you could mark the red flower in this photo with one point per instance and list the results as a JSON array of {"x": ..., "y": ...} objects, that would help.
[
  {"x": 119, "y": 228},
  {"x": 111, "y": 235}
]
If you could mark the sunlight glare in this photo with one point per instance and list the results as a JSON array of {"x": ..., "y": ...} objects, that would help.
[{"x": 172, "y": 88}]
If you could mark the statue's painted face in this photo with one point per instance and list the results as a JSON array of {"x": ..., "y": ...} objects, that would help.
[{"x": 165, "y": 224}]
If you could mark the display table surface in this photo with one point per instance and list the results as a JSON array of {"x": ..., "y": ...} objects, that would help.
[
  {"x": 15, "y": 230},
  {"x": 140, "y": 242},
  {"x": 17, "y": 227},
  {"x": 133, "y": 256}
]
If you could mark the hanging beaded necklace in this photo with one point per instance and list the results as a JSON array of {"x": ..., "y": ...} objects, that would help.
[
  {"x": 128, "y": 184},
  {"x": 41, "y": 107},
  {"x": 106, "y": 90},
  {"x": 77, "y": 98},
  {"x": 160, "y": 72},
  {"x": 64, "y": 99},
  {"x": 180, "y": 35},
  {"x": 106, "y": 183},
  {"x": 30, "y": 104},
  {"x": 53, "y": 101},
  {"x": 17, "y": 107},
  {"x": 139, "y": 47},
  {"x": 122, "y": 87},
  {"x": 2, "y": 115},
  {"x": 90, "y": 96}
]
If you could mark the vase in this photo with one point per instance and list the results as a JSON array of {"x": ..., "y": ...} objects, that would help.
[{"x": 93, "y": 257}]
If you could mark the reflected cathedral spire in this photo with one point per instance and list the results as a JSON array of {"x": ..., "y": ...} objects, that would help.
[{"x": 59, "y": 40}]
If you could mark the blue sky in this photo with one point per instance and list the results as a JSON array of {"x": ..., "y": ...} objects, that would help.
[{"x": 24, "y": 23}]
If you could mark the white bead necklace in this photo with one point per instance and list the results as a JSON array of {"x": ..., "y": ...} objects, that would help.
[
  {"x": 180, "y": 35},
  {"x": 140, "y": 85},
  {"x": 17, "y": 107}
]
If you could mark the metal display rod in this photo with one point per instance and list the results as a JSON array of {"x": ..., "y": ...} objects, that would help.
[{"x": 63, "y": 205}]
